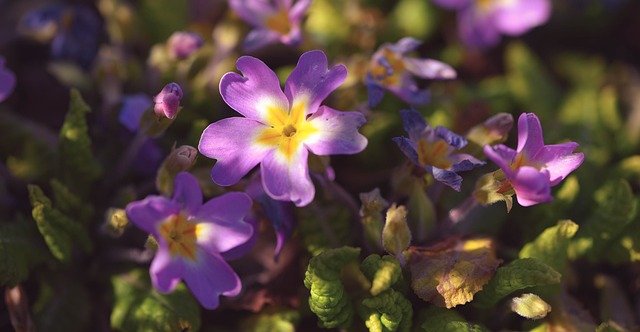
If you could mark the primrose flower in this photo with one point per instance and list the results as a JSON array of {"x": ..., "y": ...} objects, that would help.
[
  {"x": 193, "y": 237},
  {"x": 7, "y": 81},
  {"x": 390, "y": 69},
  {"x": 280, "y": 128},
  {"x": 181, "y": 44},
  {"x": 167, "y": 101},
  {"x": 274, "y": 20},
  {"x": 533, "y": 168},
  {"x": 432, "y": 149},
  {"x": 482, "y": 22}
]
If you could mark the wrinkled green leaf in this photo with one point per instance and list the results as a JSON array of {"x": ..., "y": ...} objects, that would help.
[
  {"x": 324, "y": 227},
  {"x": 517, "y": 275},
  {"x": 139, "y": 307},
  {"x": 70, "y": 203},
  {"x": 451, "y": 272},
  {"x": 447, "y": 320},
  {"x": 383, "y": 272},
  {"x": 551, "y": 246},
  {"x": 281, "y": 321},
  {"x": 328, "y": 299},
  {"x": 388, "y": 311}
]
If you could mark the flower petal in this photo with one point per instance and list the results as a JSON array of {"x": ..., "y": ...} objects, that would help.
[
  {"x": 531, "y": 186},
  {"x": 335, "y": 132},
  {"x": 312, "y": 81},
  {"x": 502, "y": 155},
  {"x": 477, "y": 29},
  {"x": 414, "y": 124},
  {"x": 251, "y": 11},
  {"x": 408, "y": 148},
  {"x": 221, "y": 224},
  {"x": 7, "y": 81},
  {"x": 187, "y": 192},
  {"x": 429, "y": 69},
  {"x": 375, "y": 91},
  {"x": 255, "y": 92},
  {"x": 259, "y": 38},
  {"x": 232, "y": 142},
  {"x": 286, "y": 177},
  {"x": 147, "y": 213},
  {"x": 165, "y": 272},
  {"x": 210, "y": 277},
  {"x": 449, "y": 178},
  {"x": 404, "y": 45},
  {"x": 454, "y": 140},
  {"x": 407, "y": 90},
  {"x": 464, "y": 162},
  {"x": 452, "y": 4},
  {"x": 529, "y": 134},
  {"x": 559, "y": 160},
  {"x": 298, "y": 10},
  {"x": 517, "y": 17},
  {"x": 133, "y": 107}
]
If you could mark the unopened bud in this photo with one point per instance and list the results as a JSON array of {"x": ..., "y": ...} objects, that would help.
[
  {"x": 167, "y": 102},
  {"x": 181, "y": 159},
  {"x": 151, "y": 243},
  {"x": 492, "y": 131},
  {"x": 116, "y": 221},
  {"x": 371, "y": 216},
  {"x": 182, "y": 44},
  {"x": 530, "y": 306},
  {"x": 396, "y": 235}
]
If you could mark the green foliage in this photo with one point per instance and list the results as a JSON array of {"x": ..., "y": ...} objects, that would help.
[
  {"x": 530, "y": 306},
  {"x": 383, "y": 272},
  {"x": 63, "y": 305},
  {"x": 422, "y": 214},
  {"x": 388, "y": 311},
  {"x": 70, "y": 203},
  {"x": 77, "y": 167},
  {"x": 414, "y": 18},
  {"x": 551, "y": 246},
  {"x": 494, "y": 187},
  {"x": 446, "y": 320},
  {"x": 280, "y": 321},
  {"x": 59, "y": 231},
  {"x": 324, "y": 227},
  {"x": 18, "y": 251},
  {"x": 160, "y": 18},
  {"x": 139, "y": 307},
  {"x": 608, "y": 225},
  {"x": 328, "y": 299},
  {"x": 517, "y": 275}
]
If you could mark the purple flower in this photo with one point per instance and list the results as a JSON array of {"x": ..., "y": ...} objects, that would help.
[
  {"x": 481, "y": 22},
  {"x": 193, "y": 237},
  {"x": 182, "y": 44},
  {"x": 432, "y": 149},
  {"x": 280, "y": 128},
  {"x": 533, "y": 168},
  {"x": 167, "y": 101},
  {"x": 7, "y": 81},
  {"x": 274, "y": 20},
  {"x": 133, "y": 106},
  {"x": 391, "y": 70}
]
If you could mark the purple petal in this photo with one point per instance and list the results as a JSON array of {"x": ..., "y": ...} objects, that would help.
[
  {"x": 312, "y": 80},
  {"x": 280, "y": 215},
  {"x": 286, "y": 178},
  {"x": 165, "y": 272},
  {"x": 429, "y": 69},
  {"x": 529, "y": 134},
  {"x": 414, "y": 124},
  {"x": 463, "y": 162},
  {"x": 253, "y": 94},
  {"x": 210, "y": 277},
  {"x": 517, "y": 17},
  {"x": 147, "y": 213},
  {"x": 454, "y": 140},
  {"x": 559, "y": 160},
  {"x": 298, "y": 10},
  {"x": 187, "y": 192},
  {"x": 531, "y": 186},
  {"x": 477, "y": 29},
  {"x": 449, "y": 178},
  {"x": 251, "y": 11},
  {"x": 404, "y": 45},
  {"x": 244, "y": 248},
  {"x": 502, "y": 155},
  {"x": 133, "y": 107},
  {"x": 374, "y": 90},
  {"x": 7, "y": 81},
  {"x": 232, "y": 142},
  {"x": 452, "y": 4},
  {"x": 408, "y": 148},
  {"x": 407, "y": 90},
  {"x": 337, "y": 132},
  {"x": 221, "y": 222},
  {"x": 259, "y": 38}
]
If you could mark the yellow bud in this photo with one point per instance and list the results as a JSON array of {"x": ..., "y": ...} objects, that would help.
[
  {"x": 530, "y": 306},
  {"x": 396, "y": 235}
]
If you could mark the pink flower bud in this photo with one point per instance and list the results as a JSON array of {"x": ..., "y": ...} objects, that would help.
[
  {"x": 182, "y": 44},
  {"x": 167, "y": 101}
]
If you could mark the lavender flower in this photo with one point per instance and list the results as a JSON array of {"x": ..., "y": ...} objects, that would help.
[
  {"x": 279, "y": 129},
  {"x": 167, "y": 101},
  {"x": 182, "y": 44},
  {"x": 391, "y": 70},
  {"x": 481, "y": 22},
  {"x": 7, "y": 81},
  {"x": 432, "y": 149},
  {"x": 274, "y": 20},
  {"x": 534, "y": 168},
  {"x": 133, "y": 106},
  {"x": 193, "y": 237}
]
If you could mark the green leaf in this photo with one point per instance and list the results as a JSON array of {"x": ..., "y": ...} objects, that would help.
[
  {"x": 383, "y": 272},
  {"x": 77, "y": 167},
  {"x": 388, "y": 311},
  {"x": 160, "y": 18},
  {"x": 610, "y": 327},
  {"x": 551, "y": 246},
  {"x": 447, "y": 320},
  {"x": 70, "y": 203},
  {"x": 422, "y": 214},
  {"x": 328, "y": 299},
  {"x": 615, "y": 209},
  {"x": 280, "y": 321},
  {"x": 63, "y": 305},
  {"x": 325, "y": 226},
  {"x": 18, "y": 251},
  {"x": 451, "y": 272},
  {"x": 517, "y": 275},
  {"x": 139, "y": 307}
]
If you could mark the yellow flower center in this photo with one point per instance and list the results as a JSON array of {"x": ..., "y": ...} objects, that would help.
[
  {"x": 433, "y": 154},
  {"x": 380, "y": 72},
  {"x": 287, "y": 129},
  {"x": 519, "y": 161},
  {"x": 180, "y": 235},
  {"x": 279, "y": 22}
]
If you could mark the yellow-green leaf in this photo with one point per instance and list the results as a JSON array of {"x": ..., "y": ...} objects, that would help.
[
  {"x": 550, "y": 247},
  {"x": 447, "y": 320}
]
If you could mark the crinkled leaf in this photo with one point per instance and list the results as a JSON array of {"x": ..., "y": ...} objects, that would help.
[
  {"x": 615, "y": 209},
  {"x": 388, "y": 311},
  {"x": 328, "y": 299},
  {"x": 614, "y": 303},
  {"x": 139, "y": 307},
  {"x": 519, "y": 274},
  {"x": 490, "y": 188},
  {"x": 447, "y": 320},
  {"x": 281, "y": 321},
  {"x": 324, "y": 227},
  {"x": 63, "y": 305},
  {"x": 19, "y": 251},
  {"x": 530, "y": 306},
  {"x": 70, "y": 203},
  {"x": 77, "y": 167},
  {"x": 383, "y": 272},
  {"x": 550, "y": 247},
  {"x": 451, "y": 272}
]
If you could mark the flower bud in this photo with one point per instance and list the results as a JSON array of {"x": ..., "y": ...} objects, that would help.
[
  {"x": 396, "y": 235},
  {"x": 116, "y": 221},
  {"x": 182, "y": 44},
  {"x": 167, "y": 102},
  {"x": 530, "y": 306},
  {"x": 181, "y": 159},
  {"x": 371, "y": 216}
]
